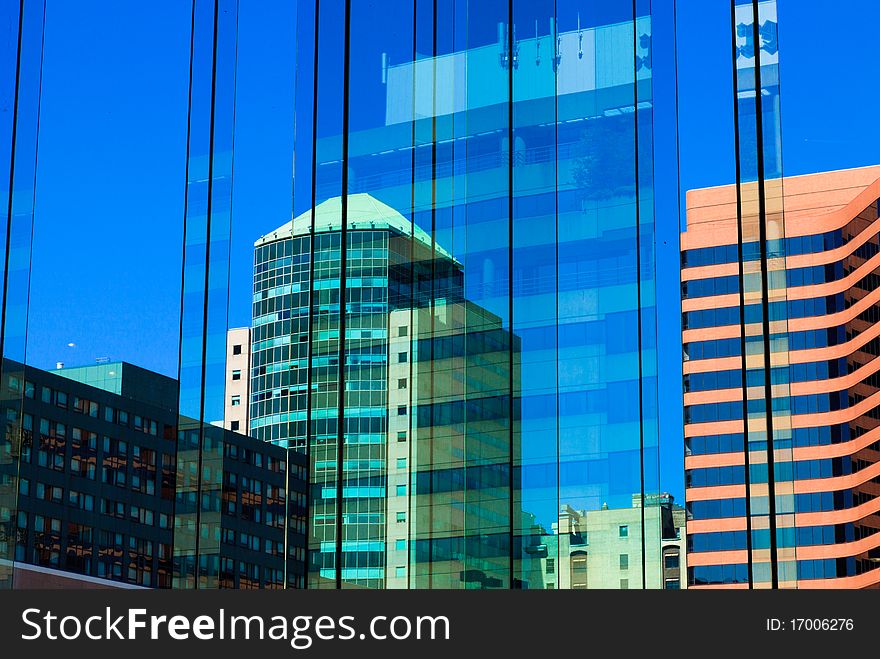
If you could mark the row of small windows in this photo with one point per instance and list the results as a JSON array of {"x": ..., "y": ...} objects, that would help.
[
  {"x": 784, "y": 471},
  {"x": 730, "y": 443},
  {"x": 711, "y": 444},
  {"x": 816, "y": 306},
  {"x": 825, "y": 535},
  {"x": 806, "y": 404},
  {"x": 693, "y": 258},
  {"x": 731, "y": 347},
  {"x": 785, "y": 537},
  {"x": 717, "y": 508},
  {"x": 713, "y": 476},
  {"x": 717, "y": 541},
  {"x": 473, "y": 479},
  {"x": 86, "y": 502},
  {"x": 713, "y": 349},
  {"x": 282, "y": 248},
  {"x": 868, "y": 249},
  {"x": 262, "y": 461},
  {"x": 721, "y": 317},
  {"x": 729, "y": 284},
  {"x": 732, "y": 379},
  {"x": 731, "y": 410},
  {"x": 93, "y": 551},
  {"x": 815, "y": 502},
  {"x": 869, "y": 282},
  {"x": 809, "y": 469},
  {"x": 824, "y": 370},
  {"x": 816, "y": 403},
  {"x": 814, "y": 274},
  {"x": 459, "y": 345},
  {"x": 819, "y": 338},
  {"x": 827, "y": 568},
  {"x": 813, "y": 436},
  {"x": 820, "y": 435},
  {"x": 754, "y": 377},
  {"x": 803, "y": 503},
  {"x": 50, "y": 451},
  {"x": 258, "y": 543},
  {"x": 713, "y": 380},
  {"x": 870, "y": 315},
  {"x": 753, "y": 313},
  {"x": 718, "y": 574},
  {"x": 695, "y": 288},
  {"x": 248, "y": 576},
  {"x": 87, "y": 407}
]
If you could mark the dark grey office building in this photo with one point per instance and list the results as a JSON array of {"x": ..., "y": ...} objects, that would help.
[{"x": 98, "y": 493}]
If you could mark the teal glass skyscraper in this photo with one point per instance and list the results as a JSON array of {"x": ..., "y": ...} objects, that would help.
[
  {"x": 458, "y": 324},
  {"x": 296, "y": 378}
]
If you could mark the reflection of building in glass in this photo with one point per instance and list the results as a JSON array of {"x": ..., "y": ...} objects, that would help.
[
  {"x": 420, "y": 363},
  {"x": 781, "y": 398},
  {"x": 675, "y": 551},
  {"x": 461, "y": 439},
  {"x": 236, "y": 415},
  {"x": 96, "y": 472},
  {"x": 520, "y": 245},
  {"x": 603, "y": 548},
  {"x": 751, "y": 107},
  {"x": 586, "y": 60},
  {"x": 515, "y": 177}
]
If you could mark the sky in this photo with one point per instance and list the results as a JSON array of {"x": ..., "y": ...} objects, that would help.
[
  {"x": 112, "y": 155},
  {"x": 106, "y": 259}
]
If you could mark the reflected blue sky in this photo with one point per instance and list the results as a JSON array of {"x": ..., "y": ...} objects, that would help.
[{"x": 110, "y": 180}]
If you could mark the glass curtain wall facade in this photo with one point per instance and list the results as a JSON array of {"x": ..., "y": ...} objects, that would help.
[
  {"x": 229, "y": 510},
  {"x": 204, "y": 297},
  {"x": 777, "y": 294},
  {"x": 468, "y": 284},
  {"x": 21, "y": 53},
  {"x": 762, "y": 431},
  {"x": 453, "y": 318}
]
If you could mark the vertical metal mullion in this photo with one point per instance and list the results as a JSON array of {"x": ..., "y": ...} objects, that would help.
[
  {"x": 765, "y": 302},
  {"x": 13, "y": 144},
  {"x": 510, "y": 210},
  {"x": 311, "y": 314},
  {"x": 433, "y": 301},
  {"x": 17, "y": 437},
  {"x": 556, "y": 296},
  {"x": 210, "y": 194},
  {"x": 15, "y": 495},
  {"x": 639, "y": 290},
  {"x": 184, "y": 250},
  {"x": 413, "y": 400},
  {"x": 741, "y": 263},
  {"x": 343, "y": 248}
]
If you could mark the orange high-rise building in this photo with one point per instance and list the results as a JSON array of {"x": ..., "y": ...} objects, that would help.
[{"x": 780, "y": 303}]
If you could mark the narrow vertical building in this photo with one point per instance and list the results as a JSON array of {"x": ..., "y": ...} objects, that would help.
[{"x": 236, "y": 407}]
